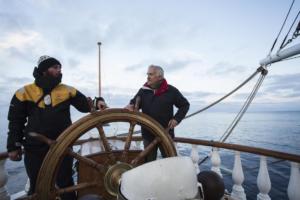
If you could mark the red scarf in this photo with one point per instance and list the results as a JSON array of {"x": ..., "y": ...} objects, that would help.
[{"x": 162, "y": 88}]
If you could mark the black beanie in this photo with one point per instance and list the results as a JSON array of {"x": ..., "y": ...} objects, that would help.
[{"x": 46, "y": 62}]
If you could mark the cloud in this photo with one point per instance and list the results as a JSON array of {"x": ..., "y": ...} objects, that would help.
[
  {"x": 136, "y": 67},
  {"x": 73, "y": 62},
  {"x": 20, "y": 39},
  {"x": 20, "y": 47},
  {"x": 136, "y": 36},
  {"x": 175, "y": 64},
  {"x": 170, "y": 65},
  {"x": 13, "y": 20},
  {"x": 226, "y": 68},
  {"x": 291, "y": 81},
  {"x": 81, "y": 39},
  {"x": 284, "y": 86},
  {"x": 197, "y": 94},
  {"x": 276, "y": 89},
  {"x": 9, "y": 85}
]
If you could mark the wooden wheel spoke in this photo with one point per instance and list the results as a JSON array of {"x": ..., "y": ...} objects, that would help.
[
  {"x": 103, "y": 138},
  {"x": 128, "y": 140},
  {"x": 42, "y": 138},
  {"x": 74, "y": 188},
  {"x": 146, "y": 151},
  {"x": 105, "y": 143},
  {"x": 87, "y": 161},
  {"x": 129, "y": 136},
  {"x": 93, "y": 168}
]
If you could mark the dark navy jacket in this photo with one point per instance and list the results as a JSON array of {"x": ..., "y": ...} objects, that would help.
[{"x": 161, "y": 107}]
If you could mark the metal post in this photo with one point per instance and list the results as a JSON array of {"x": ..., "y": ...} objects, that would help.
[{"x": 99, "y": 45}]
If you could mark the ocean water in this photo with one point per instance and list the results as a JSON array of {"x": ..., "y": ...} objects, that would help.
[{"x": 278, "y": 131}]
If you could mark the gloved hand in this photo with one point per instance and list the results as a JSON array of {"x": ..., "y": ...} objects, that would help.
[
  {"x": 15, "y": 155},
  {"x": 99, "y": 103}
]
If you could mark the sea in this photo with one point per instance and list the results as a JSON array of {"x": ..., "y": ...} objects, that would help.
[{"x": 279, "y": 131}]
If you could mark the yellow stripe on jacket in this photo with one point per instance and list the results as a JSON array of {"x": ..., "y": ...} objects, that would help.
[{"x": 33, "y": 93}]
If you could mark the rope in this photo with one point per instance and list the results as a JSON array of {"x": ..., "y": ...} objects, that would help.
[
  {"x": 258, "y": 70},
  {"x": 243, "y": 109},
  {"x": 297, "y": 31},
  {"x": 283, "y": 44},
  {"x": 227, "y": 95},
  {"x": 281, "y": 27}
]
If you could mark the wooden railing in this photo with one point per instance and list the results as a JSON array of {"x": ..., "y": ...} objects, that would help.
[
  {"x": 263, "y": 178},
  {"x": 237, "y": 191}
]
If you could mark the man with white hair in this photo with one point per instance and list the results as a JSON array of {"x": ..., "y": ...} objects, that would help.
[{"x": 157, "y": 99}]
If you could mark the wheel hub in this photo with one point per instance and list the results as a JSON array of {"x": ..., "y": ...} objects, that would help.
[{"x": 113, "y": 176}]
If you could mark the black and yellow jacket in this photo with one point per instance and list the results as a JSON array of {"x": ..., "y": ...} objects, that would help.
[{"x": 28, "y": 113}]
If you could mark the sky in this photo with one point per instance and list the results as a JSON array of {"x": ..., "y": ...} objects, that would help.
[{"x": 206, "y": 47}]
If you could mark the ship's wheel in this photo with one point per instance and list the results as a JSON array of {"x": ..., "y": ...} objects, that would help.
[{"x": 102, "y": 171}]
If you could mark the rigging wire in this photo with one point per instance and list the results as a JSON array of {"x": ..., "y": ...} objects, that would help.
[
  {"x": 297, "y": 31},
  {"x": 227, "y": 95},
  {"x": 244, "y": 108},
  {"x": 275, "y": 41},
  {"x": 258, "y": 70},
  {"x": 283, "y": 44}
]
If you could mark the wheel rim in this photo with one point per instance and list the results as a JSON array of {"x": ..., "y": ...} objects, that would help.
[{"x": 45, "y": 188}]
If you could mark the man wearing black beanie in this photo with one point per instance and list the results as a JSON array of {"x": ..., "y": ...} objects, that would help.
[
  {"x": 44, "y": 107},
  {"x": 42, "y": 78}
]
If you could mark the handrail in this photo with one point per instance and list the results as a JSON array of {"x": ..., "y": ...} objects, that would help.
[
  {"x": 237, "y": 147},
  {"x": 242, "y": 148},
  {"x": 122, "y": 138}
]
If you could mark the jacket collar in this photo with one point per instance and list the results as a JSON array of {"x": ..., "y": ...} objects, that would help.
[{"x": 157, "y": 92}]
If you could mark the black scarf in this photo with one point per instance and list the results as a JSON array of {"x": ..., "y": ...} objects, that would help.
[{"x": 46, "y": 82}]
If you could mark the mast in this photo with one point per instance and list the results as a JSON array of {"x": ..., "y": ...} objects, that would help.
[
  {"x": 280, "y": 55},
  {"x": 99, "y": 72}
]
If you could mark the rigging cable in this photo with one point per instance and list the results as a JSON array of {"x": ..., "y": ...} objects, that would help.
[
  {"x": 243, "y": 110},
  {"x": 245, "y": 107},
  {"x": 258, "y": 70},
  {"x": 283, "y": 44},
  {"x": 227, "y": 95},
  {"x": 275, "y": 41}
]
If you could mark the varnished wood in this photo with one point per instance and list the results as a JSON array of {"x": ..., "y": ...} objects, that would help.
[
  {"x": 48, "y": 173},
  {"x": 106, "y": 144},
  {"x": 242, "y": 148},
  {"x": 128, "y": 142},
  {"x": 237, "y": 147},
  {"x": 87, "y": 161},
  {"x": 78, "y": 187},
  {"x": 42, "y": 138},
  {"x": 103, "y": 138},
  {"x": 86, "y": 174},
  {"x": 145, "y": 152}
]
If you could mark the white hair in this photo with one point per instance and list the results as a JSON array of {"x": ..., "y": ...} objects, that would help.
[{"x": 159, "y": 69}]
